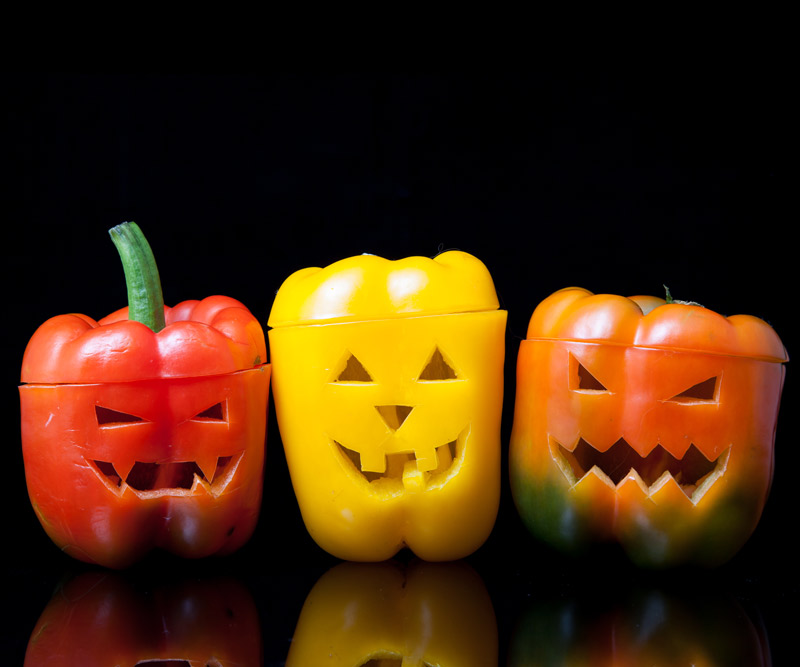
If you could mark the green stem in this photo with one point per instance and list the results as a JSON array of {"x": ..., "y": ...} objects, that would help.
[
  {"x": 669, "y": 299},
  {"x": 145, "y": 298}
]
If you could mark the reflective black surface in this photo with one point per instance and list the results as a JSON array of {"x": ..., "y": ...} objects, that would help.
[{"x": 618, "y": 182}]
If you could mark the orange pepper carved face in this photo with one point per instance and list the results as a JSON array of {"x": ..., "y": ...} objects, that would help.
[
  {"x": 648, "y": 425},
  {"x": 389, "y": 403},
  {"x": 652, "y": 433}
]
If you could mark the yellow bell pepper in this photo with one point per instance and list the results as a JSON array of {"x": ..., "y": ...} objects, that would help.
[
  {"x": 388, "y": 387},
  {"x": 384, "y": 614}
]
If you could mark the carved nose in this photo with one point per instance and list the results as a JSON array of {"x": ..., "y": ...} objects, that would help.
[{"x": 394, "y": 415}]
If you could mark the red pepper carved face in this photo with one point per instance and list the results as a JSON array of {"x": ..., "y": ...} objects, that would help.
[
  {"x": 173, "y": 463},
  {"x": 177, "y": 450}
]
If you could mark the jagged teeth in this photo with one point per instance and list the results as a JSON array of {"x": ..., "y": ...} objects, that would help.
[
  {"x": 146, "y": 479},
  {"x": 208, "y": 465},
  {"x": 693, "y": 473}
]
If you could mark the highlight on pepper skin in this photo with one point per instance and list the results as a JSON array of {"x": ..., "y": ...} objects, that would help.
[{"x": 647, "y": 423}]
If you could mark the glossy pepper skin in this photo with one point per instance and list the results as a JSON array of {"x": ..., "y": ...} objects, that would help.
[
  {"x": 387, "y": 614},
  {"x": 644, "y": 422},
  {"x": 134, "y": 439},
  {"x": 388, "y": 384}
]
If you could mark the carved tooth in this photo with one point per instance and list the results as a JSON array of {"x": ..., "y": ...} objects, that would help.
[
  {"x": 373, "y": 461},
  {"x": 414, "y": 479},
  {"x": 633, "y": 478},
  {"x": 666, "y": 489},
  {"x": 123, "y": 465},
  {"x": 598, "y": 472},
  {"x": 663, "y": 479},
  {"x": 202, "y": 486},
  {"x": 207, "y": 464},
  {"x": 426, "y": 459}
]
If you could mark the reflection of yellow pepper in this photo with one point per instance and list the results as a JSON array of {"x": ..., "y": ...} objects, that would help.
[
  {"x": 383, "y": 614},
  {"x": 388, "y": 386}
]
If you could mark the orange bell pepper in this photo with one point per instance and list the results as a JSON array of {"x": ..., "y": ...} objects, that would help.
[{"x": 644, "y": 422}]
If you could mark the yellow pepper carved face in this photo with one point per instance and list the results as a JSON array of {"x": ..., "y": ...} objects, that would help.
[
  {"x": 389, "y": 405},
  {"x": 395, "y": 449}
]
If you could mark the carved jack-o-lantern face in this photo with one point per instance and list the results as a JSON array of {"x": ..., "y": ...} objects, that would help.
[
  {"x": 133, "y": 455},
  {"x": 394, "y": 448},
  {"x": 651, "y": 426},
  {"x": 390, "y": 420}
]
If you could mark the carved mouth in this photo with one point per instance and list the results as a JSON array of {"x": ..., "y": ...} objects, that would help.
[
  {"x": 693, "y": 472},
  {"x": 402, "y": 470},
  {"x": 152, "y": 479}
]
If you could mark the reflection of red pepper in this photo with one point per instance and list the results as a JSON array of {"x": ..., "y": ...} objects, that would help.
[
  {"x": 137, "y": 435},
  {"x": 101, "y": 618}
]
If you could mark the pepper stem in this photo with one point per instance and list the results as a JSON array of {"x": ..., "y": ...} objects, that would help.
[
  {"x": 145, "y": 298},
  {"x": 668, "y": 299}
]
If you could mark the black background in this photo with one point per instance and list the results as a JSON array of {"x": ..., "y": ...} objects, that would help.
[{"x": 617, "y": 181}]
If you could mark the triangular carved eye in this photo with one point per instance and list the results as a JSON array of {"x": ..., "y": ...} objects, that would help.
[
  {"x": 588, "y": 381},
  {"x": 702, "y": 391},
  {"x": 109, "y": 417},
  {"x": 437, "y": 368},
  {"x": 215, "y": 413},
  {"x": 354, "y": 371}
]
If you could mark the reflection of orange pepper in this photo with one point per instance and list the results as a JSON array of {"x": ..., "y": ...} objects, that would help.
[
  {"x": 101, "y": 618},
  {"x": 146, "y": 433},
  {"x": 608, "y": 628},
  {"x": 645, "y": 422},
  {"x": 425, "y": 614}
]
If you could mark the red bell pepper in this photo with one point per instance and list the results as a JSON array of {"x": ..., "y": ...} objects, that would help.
[{"x": 149, "y": 433}]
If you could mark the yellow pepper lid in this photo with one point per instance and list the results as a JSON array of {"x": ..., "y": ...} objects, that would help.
[{"x": 368, "y": 287}]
